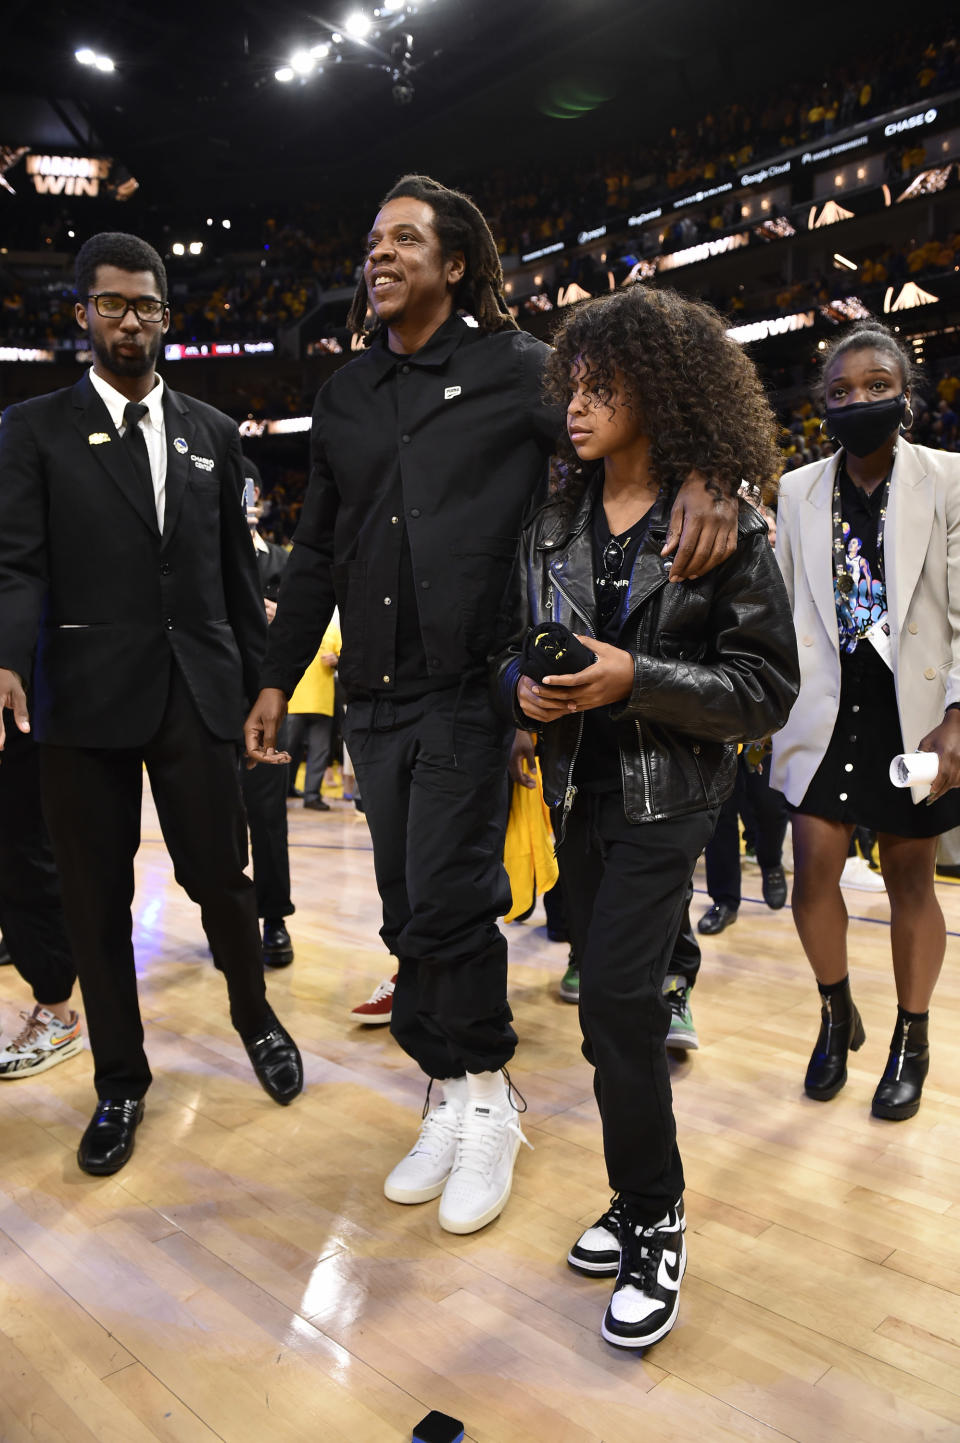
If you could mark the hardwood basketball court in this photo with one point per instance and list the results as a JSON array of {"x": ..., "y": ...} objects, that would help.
[{"x": 244, "y": 1279}]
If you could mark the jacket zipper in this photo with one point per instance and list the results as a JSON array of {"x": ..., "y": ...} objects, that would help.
[{"x": 570, "y": 791}]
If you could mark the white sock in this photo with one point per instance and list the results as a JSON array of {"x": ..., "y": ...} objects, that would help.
[
  {"x": 488, "y": 1088},
  {"x": 453, "y": 1089}
]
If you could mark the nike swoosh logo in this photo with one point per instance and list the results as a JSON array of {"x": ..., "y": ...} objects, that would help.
[
  {"x": 57, "y": 1041},
  {"x": 673, "y": 1273}
]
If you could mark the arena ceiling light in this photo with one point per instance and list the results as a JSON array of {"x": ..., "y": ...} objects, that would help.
[
  {"x": 357, "y": 25},
  {"x": 88, "y": 57}
]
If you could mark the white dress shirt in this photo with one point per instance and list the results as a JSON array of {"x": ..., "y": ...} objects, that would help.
[{"x": 152, "y": 427}]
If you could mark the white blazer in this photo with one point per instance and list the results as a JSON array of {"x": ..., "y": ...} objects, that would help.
[{"x": 922, "y": 566}]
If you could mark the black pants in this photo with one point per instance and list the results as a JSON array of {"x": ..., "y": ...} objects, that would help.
[
  {"x": 265, "y": 798},
  {"x": 310, "y": 732},
  {"x": 626, "y": 888},
  {"x": 31, "y": 910},
  {"x": 685, "y": 958},
  {"x": 92, "y": 800},
  {"x": 434, "y": 778},
  {"x": 768, "y": 811}
]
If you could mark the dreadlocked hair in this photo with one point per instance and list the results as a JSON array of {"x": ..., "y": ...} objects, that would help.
[
  {"x": 698, "y": 396},
  {"x": 460, "y": 227}
]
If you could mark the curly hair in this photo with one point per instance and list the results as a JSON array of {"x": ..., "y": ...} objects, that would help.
[
  {"x": 862, "y": 336},
  {"x": 460, "y": 227},
  {"x": 698, "y": 396},
  {"x": 117, "y": 248}
]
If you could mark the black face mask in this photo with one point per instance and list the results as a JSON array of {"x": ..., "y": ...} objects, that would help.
[{"x": 862, "y": 427}]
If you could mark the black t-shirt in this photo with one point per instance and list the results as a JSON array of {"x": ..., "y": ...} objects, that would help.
[{"x": 598, "y": 760}]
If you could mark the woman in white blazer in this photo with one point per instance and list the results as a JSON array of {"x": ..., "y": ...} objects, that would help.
[{"x": 869, "y": 546}]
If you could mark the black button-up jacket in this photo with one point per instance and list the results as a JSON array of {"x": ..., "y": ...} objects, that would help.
[{"x": 446, "y": 448}]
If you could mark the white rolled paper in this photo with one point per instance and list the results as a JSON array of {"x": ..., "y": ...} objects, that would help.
[{"x": 910, "y": 769}]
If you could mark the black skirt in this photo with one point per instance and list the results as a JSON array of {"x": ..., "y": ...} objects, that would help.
[{"x": 852, "y": 783}]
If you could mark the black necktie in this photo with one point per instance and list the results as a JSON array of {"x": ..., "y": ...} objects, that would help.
[{"x": 135, "y": 442}]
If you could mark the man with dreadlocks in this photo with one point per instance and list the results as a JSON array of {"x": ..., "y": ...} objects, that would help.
[{"x": 427, "y": 450}]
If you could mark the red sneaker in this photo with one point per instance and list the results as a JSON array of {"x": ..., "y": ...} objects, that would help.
[{"x": 377, "y": 1009}]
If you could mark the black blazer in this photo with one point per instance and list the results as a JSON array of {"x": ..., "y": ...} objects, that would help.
[{"x": 94, "y": 602}]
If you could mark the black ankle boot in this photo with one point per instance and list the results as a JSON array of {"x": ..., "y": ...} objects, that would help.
[
  {"x": 898, "y": 1092},
  {"x": 840, "y": 1031}
]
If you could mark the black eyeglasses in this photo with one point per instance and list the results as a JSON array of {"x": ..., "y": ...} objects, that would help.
[{"x": 114, "y": 307}]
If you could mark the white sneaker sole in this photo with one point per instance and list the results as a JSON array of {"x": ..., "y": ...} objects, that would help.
[
  {"x": 69, "y": 1049},
  {"x": 370, "y": 1021},
  {"x": 473, "y": 1225},
  {"x": 683, "y": 1044},
  {"x": 594, "y": 1270},
  {"x": 413, "y": 1194}
]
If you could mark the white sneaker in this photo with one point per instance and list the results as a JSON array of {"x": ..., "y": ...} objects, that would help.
[
  {"x": 482, "y": 1176},
  {"x": 421, "y": 1175},
  {"x": 43, "y": 1042},
  {"x": 858, "y": 874}
]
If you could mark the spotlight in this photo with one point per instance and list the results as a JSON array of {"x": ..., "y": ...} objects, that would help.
[
  {"x": 225, "y": 224},
  {"x": 283, "y": 74},
  {"x": 319, "y": 52},
  {"x": 358, "y": 25},
  {"x": 393, "y": 7},
  {"x": 196, "y": 247},
  {"x": 177, "y": 248},
  {"x": 302, "y": 62},
  {"x": 209, "y": 220},
  {"x": 103, "y": 62},
  {"x": 85, "y": 56}
]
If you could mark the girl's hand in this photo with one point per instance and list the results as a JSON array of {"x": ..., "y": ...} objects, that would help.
[
  {"x": 608, "y": 680},
  {"x": 945, "y": 741}
]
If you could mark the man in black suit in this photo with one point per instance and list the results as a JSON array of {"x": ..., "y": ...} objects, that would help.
[
  {"x": 131, "y": 612},
  {"x": 265, "y": 788}
]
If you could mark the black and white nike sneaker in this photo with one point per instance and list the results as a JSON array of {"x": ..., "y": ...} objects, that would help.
[
  {"x": 597, "y": 1251},
  {"x": 646, "y": 1297}
]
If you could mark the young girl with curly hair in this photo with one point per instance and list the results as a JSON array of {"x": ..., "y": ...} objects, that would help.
[{"x": 638, "y": 749}]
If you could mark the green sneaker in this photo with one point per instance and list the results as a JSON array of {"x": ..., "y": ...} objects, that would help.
[
  {"x": 570, "y": 985},
  {"x": 682, "y": 1036}
]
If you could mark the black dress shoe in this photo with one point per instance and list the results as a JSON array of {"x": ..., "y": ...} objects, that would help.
[
  {"x": 841, "y": 1031},
  {"x": 108, "y": 1141},
  {"x": 316, "y": 804},
  {"x": 294, "y": 792},
  {"x": 277, "y": 947},
  {"x": 774, "y": 887},
  {"x": 720, "y": 915},
  {"x": 557, "y": 934},
  {"x": 277, "y": 1062},
  {"x": 898, "y": 1094}
]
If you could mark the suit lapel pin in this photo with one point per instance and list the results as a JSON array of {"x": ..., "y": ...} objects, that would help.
[
  {"x": 97, "y": 438},
  {"x": 179, "y": 444}
]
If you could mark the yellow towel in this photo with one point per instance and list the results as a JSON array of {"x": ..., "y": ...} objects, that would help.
[{"x": 528, "y": 849}]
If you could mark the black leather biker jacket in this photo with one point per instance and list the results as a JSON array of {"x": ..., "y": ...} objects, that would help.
[{"x": 715, "y": 659}]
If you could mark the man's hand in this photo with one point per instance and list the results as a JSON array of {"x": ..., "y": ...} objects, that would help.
[
  {"x": 14, "y": 698},
  {"x": 261, "y": 727},
  {"x": 703, "y": 529},
  {"x": 330, "y": 659},
  {"x": 945, "y": 741},
  {"x": 270, "y": 607},
  {"x": 522, "y": 766},
  {"x": 608, "y": 680}
]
